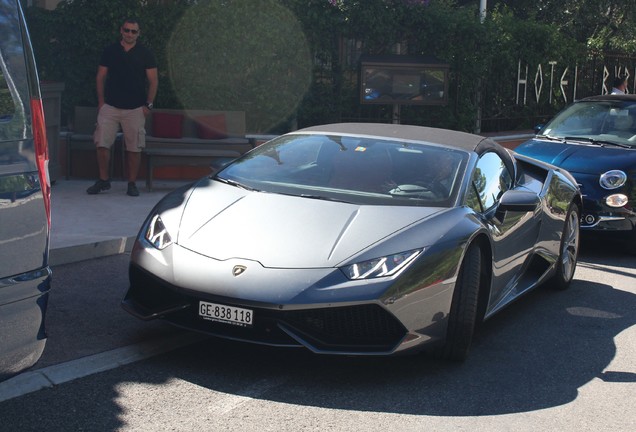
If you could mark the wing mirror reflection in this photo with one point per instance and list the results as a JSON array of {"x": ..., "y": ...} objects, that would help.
[{"x": 516, "y": 201}]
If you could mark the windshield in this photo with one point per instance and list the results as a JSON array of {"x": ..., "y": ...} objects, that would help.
[
  {"x": 353, "y": 169},
  {"x": 603, "y": 121}
]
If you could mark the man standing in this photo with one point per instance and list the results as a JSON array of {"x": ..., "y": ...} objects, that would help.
[{"x": 127, "y": 83}]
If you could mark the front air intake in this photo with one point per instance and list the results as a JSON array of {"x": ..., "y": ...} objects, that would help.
[{"x": 360, "y": 328}]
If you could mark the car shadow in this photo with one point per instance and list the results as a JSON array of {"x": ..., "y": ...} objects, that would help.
[
  {"x": 536, "y": 354},
  {"x": 599, "y": 251}
]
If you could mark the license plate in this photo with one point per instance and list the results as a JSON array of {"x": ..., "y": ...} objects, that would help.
[{"x": 226, "y": 314}]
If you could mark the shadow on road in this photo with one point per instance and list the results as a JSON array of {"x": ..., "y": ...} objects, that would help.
[
  {"x": 533, "y": 356},
  {"x": 536, "y": 354}
]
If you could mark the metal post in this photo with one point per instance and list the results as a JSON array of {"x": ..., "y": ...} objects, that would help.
[
  {"x": 482, "y": 17},
  {"x": 482, "y": 10},
  {"x": 396, "y": 114}
]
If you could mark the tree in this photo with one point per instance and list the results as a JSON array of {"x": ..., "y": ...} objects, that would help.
[
  {"x": 68, "y": 41},
  {"x": 250, "y": 56},
  {"x": 602, "y": 25},
  {"x": 279, "y": 60}
]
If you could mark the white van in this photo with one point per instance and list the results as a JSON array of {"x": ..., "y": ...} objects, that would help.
[{"x": 25, "y": 199}]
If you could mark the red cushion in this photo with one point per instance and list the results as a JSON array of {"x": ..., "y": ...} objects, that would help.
[
  {"x": 166, "y": 125},
  {"x": 211, "y": 126}
]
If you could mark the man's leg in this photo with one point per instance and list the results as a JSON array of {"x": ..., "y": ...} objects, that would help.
[
  {"x": 103, "y": 162},
  {"x": 104, "y": 137},
  {"x": 133, "y": 159},
  {"x": 134, "y": 127}
]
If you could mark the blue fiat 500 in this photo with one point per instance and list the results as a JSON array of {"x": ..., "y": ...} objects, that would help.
[{"x": 595, "y": 140}]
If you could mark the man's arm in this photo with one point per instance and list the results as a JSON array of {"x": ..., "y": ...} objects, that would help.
[
  {"x": 153, "y": 84},
  {"x": 102, "y": 71}
]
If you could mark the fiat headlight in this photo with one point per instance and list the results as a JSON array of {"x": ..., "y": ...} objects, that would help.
[
  {"x": 613, "y": 179},
  {"x": 616, "y": 200},
  {"x": 381, "y": 267},
  {"x": 157, "y": 234}
]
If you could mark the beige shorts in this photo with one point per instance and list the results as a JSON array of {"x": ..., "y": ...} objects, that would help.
[{"x": 132, "y": 122}]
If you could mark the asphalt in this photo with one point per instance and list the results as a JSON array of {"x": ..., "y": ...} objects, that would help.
[
  {"x": 92, "y": 226},
  {"x": 84, "y": 227}
]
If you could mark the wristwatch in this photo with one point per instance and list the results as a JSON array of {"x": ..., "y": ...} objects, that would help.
[{"x": 149, "y": 105}]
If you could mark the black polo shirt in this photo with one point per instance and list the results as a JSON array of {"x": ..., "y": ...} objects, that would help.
[{"x": 125, "y": 86}]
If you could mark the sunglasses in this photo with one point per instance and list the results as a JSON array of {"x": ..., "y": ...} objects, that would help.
[{"x": 127, "y": 30}]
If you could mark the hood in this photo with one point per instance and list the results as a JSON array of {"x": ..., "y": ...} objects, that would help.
[
  {"x": 580, "y": 158},
  {"x": 279, "y": 231}
]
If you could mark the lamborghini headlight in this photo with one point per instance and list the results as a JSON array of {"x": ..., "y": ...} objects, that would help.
[
  {"x": 381, "y": 267},
  {"x": 157, "y": 234},
  {"x": 613, "y": 179}
]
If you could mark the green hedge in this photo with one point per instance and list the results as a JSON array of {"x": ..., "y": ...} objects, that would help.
[
  {"x": 279, "y": 60},
  {"x": 68, "y": 42}
]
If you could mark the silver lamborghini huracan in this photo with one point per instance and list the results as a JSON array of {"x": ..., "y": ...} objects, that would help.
[{"x": 368, "y": 239}]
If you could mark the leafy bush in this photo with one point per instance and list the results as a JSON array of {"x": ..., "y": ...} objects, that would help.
[
  {"x": 282, "y": 62},
  {"x": 237, "y": 55},
  {"x": 68, "y": 42}
]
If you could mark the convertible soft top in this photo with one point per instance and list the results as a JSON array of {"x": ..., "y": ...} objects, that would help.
[{"x": 460, "y": 140}]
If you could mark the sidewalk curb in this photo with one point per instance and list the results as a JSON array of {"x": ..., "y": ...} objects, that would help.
[
  {"x": 32, "y": 381},
  {"x": 73, "y": 254}
]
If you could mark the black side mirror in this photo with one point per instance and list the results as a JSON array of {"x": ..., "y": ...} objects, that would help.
[
  {"x": 519, "y": 201},
  {"x": 516, "y": 201}
]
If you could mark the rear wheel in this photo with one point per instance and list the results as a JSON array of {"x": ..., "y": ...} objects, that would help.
[
  {"x": 569, "y": 250},
  {"x": 463, "y": 314}
]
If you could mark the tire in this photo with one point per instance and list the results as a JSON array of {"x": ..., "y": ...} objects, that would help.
[
  {"x": 568, "y": 250},
  {"x": 463, "y": 314}
]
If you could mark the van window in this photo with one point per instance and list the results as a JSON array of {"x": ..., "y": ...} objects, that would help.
[
  {"x": 7, "y": 107},
  {"x": 14, "y": 101}
]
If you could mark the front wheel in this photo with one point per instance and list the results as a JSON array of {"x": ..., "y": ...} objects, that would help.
[
  {"x": 463, "y": 314},
  {"x": 569, "y": 250}
]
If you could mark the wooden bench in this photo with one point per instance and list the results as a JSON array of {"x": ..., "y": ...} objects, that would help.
[
  {"x": 156, "y": 157},
  {"x": 173, "y": 137},
  {"x": 193, "y": 138}
]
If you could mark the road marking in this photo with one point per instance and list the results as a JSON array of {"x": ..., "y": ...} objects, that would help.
[{"x": 32, "y": 381}]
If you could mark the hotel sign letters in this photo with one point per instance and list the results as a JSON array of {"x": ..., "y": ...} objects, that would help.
[{"x": 561, "y": 83}]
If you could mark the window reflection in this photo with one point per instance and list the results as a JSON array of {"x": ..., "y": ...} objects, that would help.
[
  {"x": 490, "y": 180},
  {"x": 355, "y": 169}
]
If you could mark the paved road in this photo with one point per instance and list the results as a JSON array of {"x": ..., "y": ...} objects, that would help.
[{"x": 553, "y": 361}]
